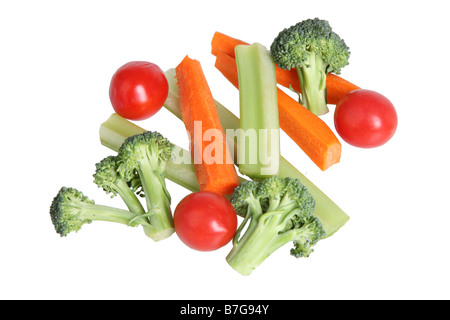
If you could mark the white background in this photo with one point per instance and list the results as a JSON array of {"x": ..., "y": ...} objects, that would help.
[{"x": 56, "y": 61}]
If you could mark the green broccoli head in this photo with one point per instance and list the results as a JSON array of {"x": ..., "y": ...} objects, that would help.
[
  {"x": 295, "y": 191},
  {"x": 311, "y": 231},
  {"x": 65, "y": 210},
  {"x": 148, "y": 146},
  {"x": 244, "y": 195},
  {"x": 71, "y": 209},
  {"x": 278, "y": 211},
  {"x": 313, "y": 49},
  {"x": 293, "y": 46},
  {"x": 146, "y": 155},
  {"x": 308, "y": 227},
  {"x": 272, "y": 190},
  {"x": 108, "y": 178}
]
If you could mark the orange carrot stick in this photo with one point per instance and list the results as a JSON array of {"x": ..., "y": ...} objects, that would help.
[
  {"x": 309, "y": 132},
  {"x": 223, "y": 43},
  {"x": 306, "y": 129},
  {"x": 337, "y": 87},
  {"x": 213, "y": 163}
]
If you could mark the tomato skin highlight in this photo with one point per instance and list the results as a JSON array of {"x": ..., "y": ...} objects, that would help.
[
  {"x": 365, "y": 119},
  {"x": 138, "y": 90},
  {"x": 205, "y": 221}
]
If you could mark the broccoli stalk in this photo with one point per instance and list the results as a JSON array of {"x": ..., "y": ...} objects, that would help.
[
  {"x": 314, "y": 50},
  {"x": 313, "y": 84},
  {"x": 147, "y": 154},
  {"x": 277, "y": 211},
  {"x": 71, "y": 209}
]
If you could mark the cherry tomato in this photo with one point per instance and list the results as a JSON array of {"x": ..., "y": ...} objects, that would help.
[
  {"x": 365, "y": 119},
  {"x": 138, "y": 90},
  {"x": 205, "y": 221}
]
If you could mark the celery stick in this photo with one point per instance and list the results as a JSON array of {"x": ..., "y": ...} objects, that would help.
[
  {"x": 259, "y": 139},
  {"x": 331, "y": 216}
]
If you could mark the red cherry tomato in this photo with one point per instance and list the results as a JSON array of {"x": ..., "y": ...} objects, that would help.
[
  {"x": 365, "y": 119},
  {"x": 205, "y": 221},
  {"x": 138, "y": 90}
]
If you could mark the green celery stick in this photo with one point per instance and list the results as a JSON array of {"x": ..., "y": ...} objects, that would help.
[{"x": 259, "y": 137}]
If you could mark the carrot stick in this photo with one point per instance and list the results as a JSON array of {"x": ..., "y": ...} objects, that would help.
[
  {"x": 309, "y": 132},
  {"x": 223, "y": 43},
  {"x": 337, "y": 87},
  {"x": 306, "y": 129},
  {"x": 213, "y": 163}
]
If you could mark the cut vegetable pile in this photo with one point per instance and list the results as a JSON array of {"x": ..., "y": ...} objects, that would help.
[{"x": 234, "y": 168}]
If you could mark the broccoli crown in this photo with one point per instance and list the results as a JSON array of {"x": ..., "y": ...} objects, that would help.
[
  {"x": 146, "y": 146},
  {"x": 311, "y": 232},
  {"x": 65, "y": 210},
  {"x": 271, "y": 194},
  {"x": 146, "y": 155},
  {"x": 294, "y": 45},
  {"x": 277, "y": 210},
  {"x": 71, "y": 209},
  {"x": 244, "y": 195},
  {"x": 108, "y": 178}
]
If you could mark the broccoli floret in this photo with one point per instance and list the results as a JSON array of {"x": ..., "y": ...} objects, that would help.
[
  {"x": 107, "y": 178},
  {"x": 314, "y": 50},
  {"x": 276, "y": 211},
  {"x": 146, "y": 155},
  {"x": 71, "y": 209}
]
